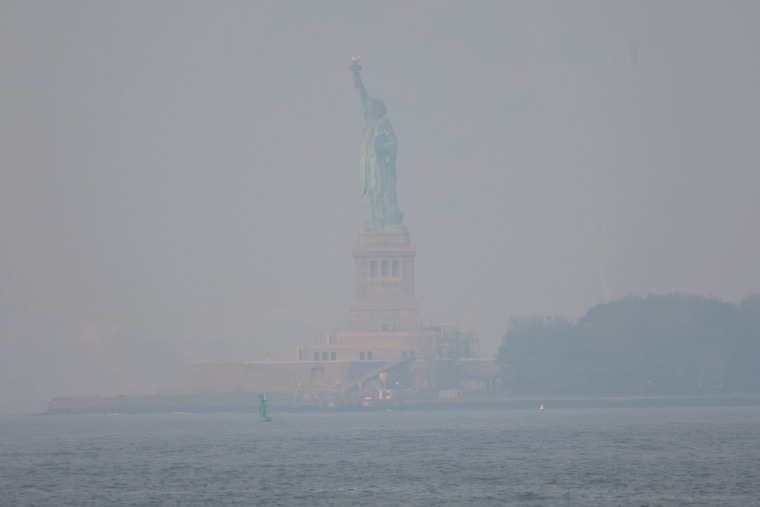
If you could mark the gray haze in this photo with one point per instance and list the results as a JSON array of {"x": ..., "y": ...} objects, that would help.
[{"x": 180, "y": 179}]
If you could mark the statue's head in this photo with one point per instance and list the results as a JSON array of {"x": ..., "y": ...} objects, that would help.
[{"x": 374, "y": 109}]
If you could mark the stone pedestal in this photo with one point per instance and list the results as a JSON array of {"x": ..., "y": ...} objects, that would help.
[{"x": 384, "y": 298}]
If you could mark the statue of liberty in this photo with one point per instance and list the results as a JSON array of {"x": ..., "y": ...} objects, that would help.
[{"x": 377, "y": 164}]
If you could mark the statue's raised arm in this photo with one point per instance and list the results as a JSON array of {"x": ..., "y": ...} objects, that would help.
[
  {"x": 374, "y": 109},
  {"x": 355, "y": 68}
]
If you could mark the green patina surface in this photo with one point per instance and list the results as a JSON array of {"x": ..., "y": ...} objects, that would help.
[
  {"x": 263, "y": 409},
  {"x": 377, "y": 165}
]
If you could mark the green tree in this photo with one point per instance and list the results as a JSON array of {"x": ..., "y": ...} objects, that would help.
[
  {"x": 658, "y": 344},
  {"x": 537, "y": 355}
]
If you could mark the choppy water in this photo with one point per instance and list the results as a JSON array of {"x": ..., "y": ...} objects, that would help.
[{"x": 637, "y": 457}]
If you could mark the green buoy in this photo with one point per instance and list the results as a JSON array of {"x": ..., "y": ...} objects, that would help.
[{"x": 263, "y": 409}]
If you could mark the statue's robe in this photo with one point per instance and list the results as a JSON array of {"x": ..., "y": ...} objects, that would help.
[{"x": 378, "y": 175}]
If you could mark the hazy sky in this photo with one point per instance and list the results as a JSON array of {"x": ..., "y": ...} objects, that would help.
[{"x": 179, "y": 180}]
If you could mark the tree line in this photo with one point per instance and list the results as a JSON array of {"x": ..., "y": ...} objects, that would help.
[{"x": 653, "y": 345}]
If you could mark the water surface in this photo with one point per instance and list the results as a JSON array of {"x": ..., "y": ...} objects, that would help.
[{"x": 637, "y": 457}]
